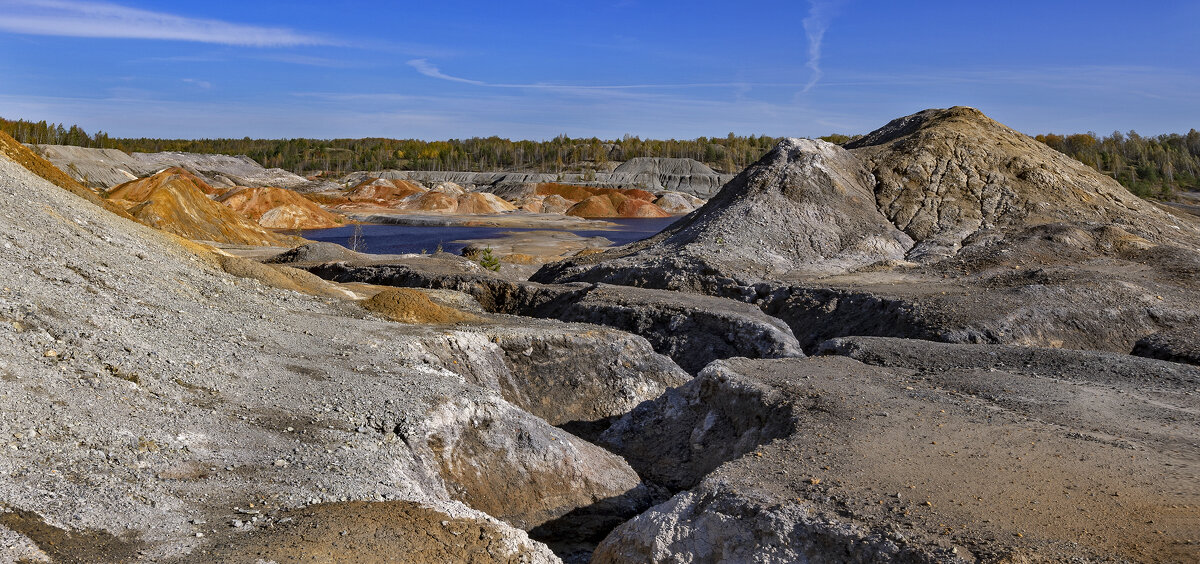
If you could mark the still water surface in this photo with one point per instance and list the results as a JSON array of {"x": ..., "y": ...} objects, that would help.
[{"x": 400, "y": 239}]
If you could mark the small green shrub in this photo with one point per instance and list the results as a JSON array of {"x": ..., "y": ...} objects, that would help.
[{"x": 488, "y": 260}]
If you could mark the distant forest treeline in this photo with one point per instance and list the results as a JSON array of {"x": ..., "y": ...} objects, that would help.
[
  {"x": 1148, "y": 166},
  {"x": 311, "y": 156}
]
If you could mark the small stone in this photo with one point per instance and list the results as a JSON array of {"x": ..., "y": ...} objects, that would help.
[
  {"x": 281, "y": 463},
  {"x": 50, "y": 353},
  {"x": 237, "y": 523}
]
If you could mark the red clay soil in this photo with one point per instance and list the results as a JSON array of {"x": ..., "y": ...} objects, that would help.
[
  {"x": 174, "y": 201},
  {"x": 327, "y": 199},
  {"x": 594, "y": 206},
  {"x": 279, "y": 208},
  {"x": 638, "y": 194},
  {"x": 407, "y": 305},
  {"x": 483, "y": 203},
  {"x": 568, "y": 191},
  {"x": 434, "y": 201},
  {"x": 640, "y": 208},
  {"x": 379, "y": 189}
]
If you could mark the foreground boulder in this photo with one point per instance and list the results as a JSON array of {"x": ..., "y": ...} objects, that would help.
[{"x": 940, "y": 453}]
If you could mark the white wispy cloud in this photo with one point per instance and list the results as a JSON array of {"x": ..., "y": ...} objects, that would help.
[
  {"x": 426, "y": 68},
  {"x": 81, "y": 18},
  {"x": 820, "y": 14},
  {"x": 203, "y": 84}
]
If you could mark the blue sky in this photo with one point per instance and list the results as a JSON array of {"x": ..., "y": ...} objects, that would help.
[{"x": 438, "y": 70}]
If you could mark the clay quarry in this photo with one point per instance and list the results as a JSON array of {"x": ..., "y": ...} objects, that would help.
[{"x": 943, "y": 341}]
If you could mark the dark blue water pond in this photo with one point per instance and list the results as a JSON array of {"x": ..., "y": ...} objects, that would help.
[{"x": 400, "y": 239}]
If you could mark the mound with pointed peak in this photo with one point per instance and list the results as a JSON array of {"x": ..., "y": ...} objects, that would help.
[
  {"x": 482, "y": 203},
  {"x": 279, "y": 208},
  {"x": 593, "y": 206},
  {"x": 640, "y": 208},
  {"x": 944, "y": 225},
  {"x": 383, "y": 190},
  {"x": 805, "y": 207},
  {"x": 917, "y": 189},
  {"x": 944, "y": 175},
  {"x": 174, "y": 201},
  {"x": 596, "y": 202}
]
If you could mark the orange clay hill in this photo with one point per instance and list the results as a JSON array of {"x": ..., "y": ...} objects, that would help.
[
  {"x": 407, "y": 305},
  {"x": 174, "y": 201},
  {"x": 408, "y": 196},
  {"x": 383, "y": 191},
  {"x": 590, "y": 201},
  {"x": 279, "y": 208},
  {"x": 23, "y": 156},
  {"x": 483, "y": 203}
]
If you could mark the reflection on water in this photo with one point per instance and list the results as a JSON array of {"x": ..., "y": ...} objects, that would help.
[{"x": 400, "y": 239}]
